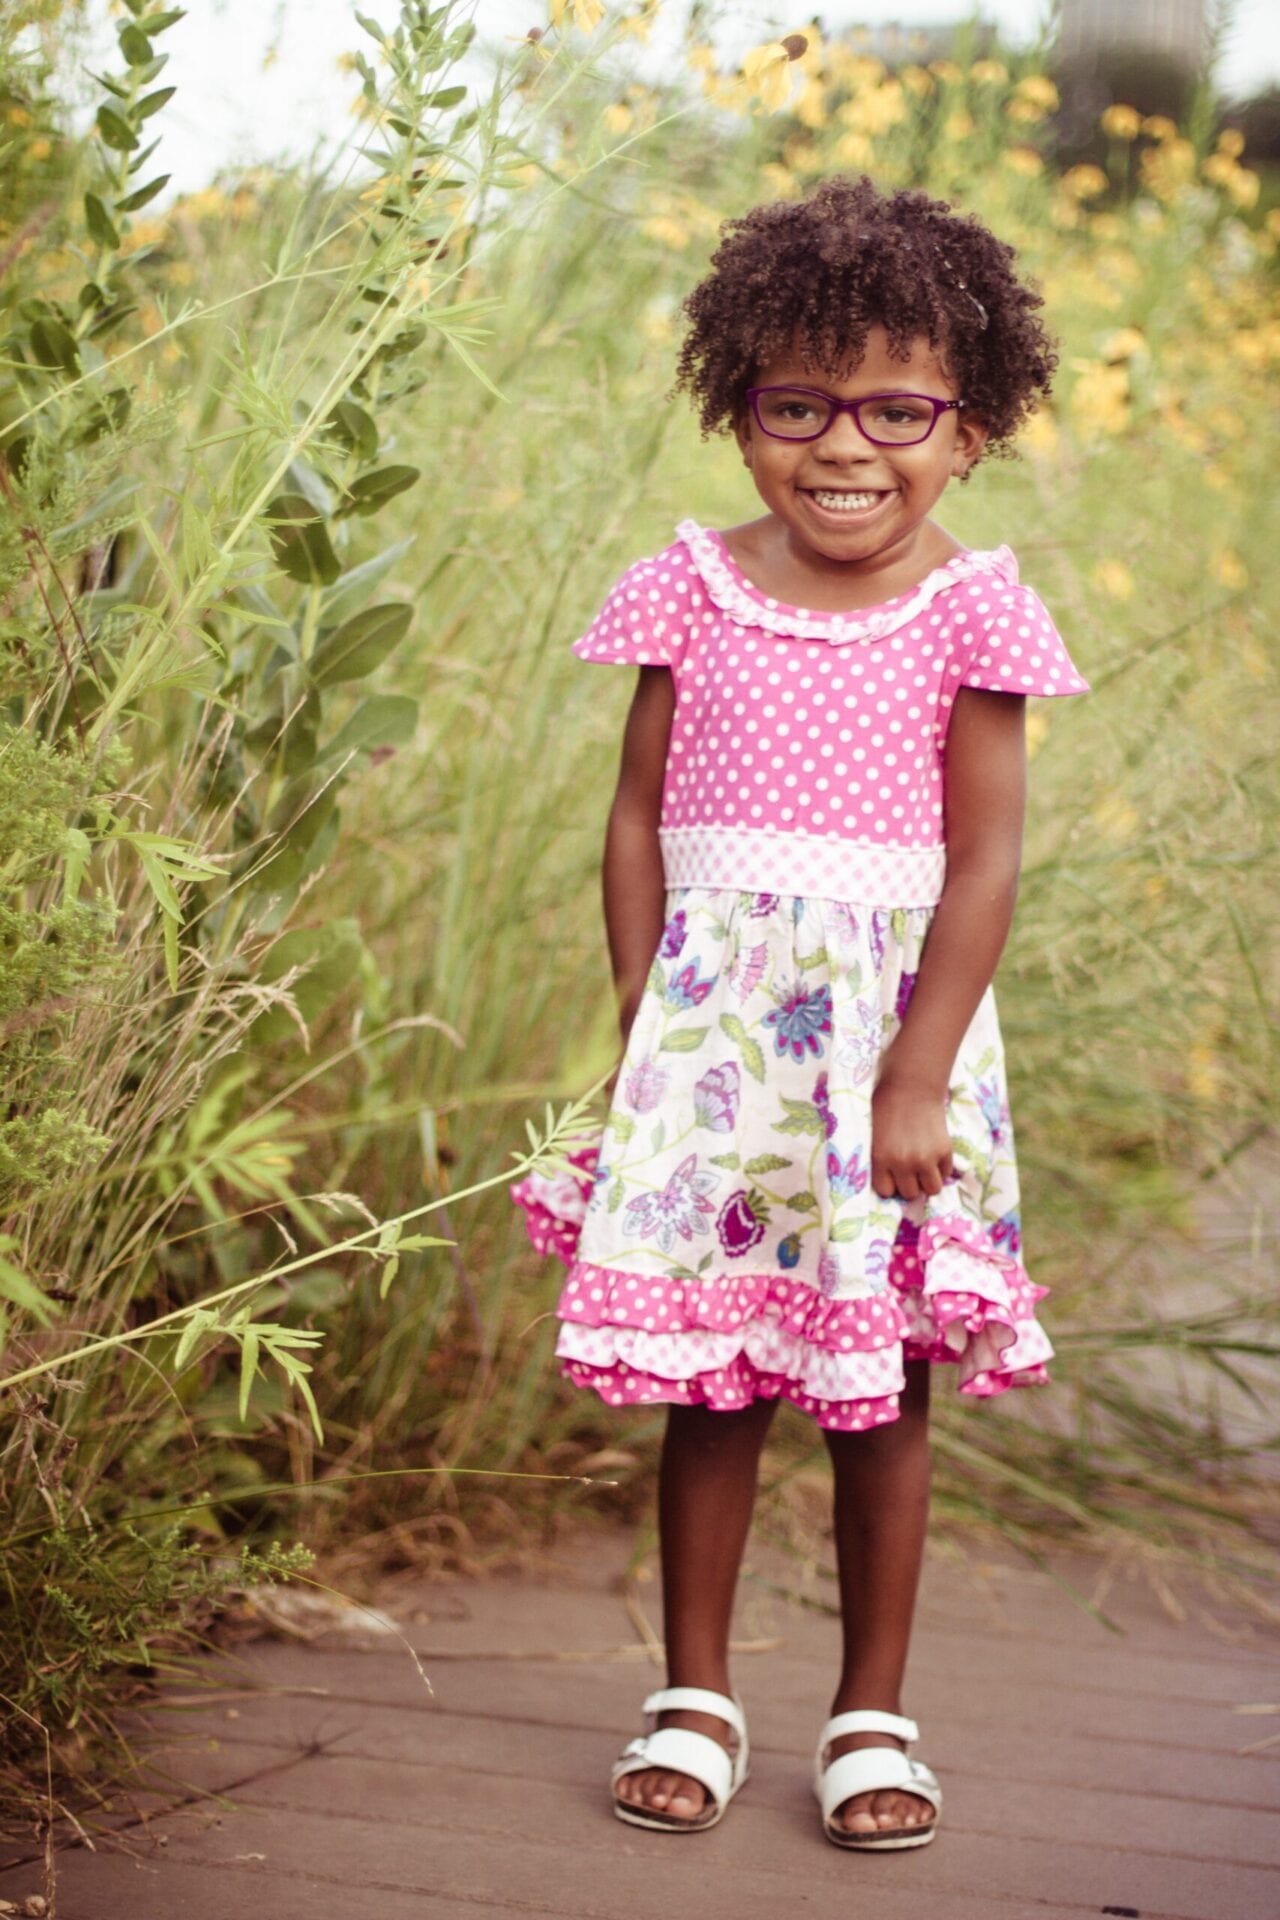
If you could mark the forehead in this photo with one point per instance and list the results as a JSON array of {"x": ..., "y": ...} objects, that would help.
[{"x": 922, "y": 369}]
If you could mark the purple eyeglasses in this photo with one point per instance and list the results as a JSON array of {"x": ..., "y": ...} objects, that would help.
[{"x": 885, "y": 419}]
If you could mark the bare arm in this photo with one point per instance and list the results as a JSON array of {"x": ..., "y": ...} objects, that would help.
[
  {"x": 984, "y": 806},
  {"x": 634, "y": 891}
]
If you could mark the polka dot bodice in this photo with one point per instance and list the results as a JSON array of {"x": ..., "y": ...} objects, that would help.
[{"x": 794, "y": 726}]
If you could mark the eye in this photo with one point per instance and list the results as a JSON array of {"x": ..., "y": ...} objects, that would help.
[{"x": 898, "y": 412}]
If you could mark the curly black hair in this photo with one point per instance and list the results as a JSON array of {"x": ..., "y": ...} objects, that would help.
[{"x": 817, "y": 273}]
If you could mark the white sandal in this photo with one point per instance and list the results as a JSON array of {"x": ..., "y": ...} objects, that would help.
[
  {"x": 873, "y": 1770},
  {"x": 679, "y": 1750}
]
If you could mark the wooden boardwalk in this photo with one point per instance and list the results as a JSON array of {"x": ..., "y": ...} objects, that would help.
[{"x": 1085, "y": 1772}]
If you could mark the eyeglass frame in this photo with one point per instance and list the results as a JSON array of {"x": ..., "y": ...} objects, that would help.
[{"x": 853, "y": 407}]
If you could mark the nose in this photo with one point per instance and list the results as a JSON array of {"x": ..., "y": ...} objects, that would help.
[{"x": 844, "y": 440}]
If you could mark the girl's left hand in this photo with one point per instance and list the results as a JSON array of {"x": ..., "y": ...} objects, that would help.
[{"x": 910, "y": 1146}]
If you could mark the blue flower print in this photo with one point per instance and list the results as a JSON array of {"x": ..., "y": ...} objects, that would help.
[
  {"x": 845, "y": 1177},
  {"x": 801, "y": 1020},
  {"x": 674, "y": 935},
  {"x": 1007, "y": 1233},
  {"x": 789, "y": 1251},
  {"x": 685, "y": 989},
  {"x": 994, "y": 1110}
]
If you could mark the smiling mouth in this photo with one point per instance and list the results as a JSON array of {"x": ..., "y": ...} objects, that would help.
[{"x": 843, "y": 499}]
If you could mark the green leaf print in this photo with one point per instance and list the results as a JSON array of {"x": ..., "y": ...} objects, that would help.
[
  {"x": 811, "y": 960},
  {"x": 657, "y": 1139},
  {"x": 802, "y": 1117},
  {"x": 622, "y": 1127},
  {"x": 615, "y": 1196},
  {"x": 805, "y": 1202},
  {"x": 656, "y": 981},
  {"x": 845, "y": 1230},
  {"x": 767, "y": 1163},
  {"x": 898, "y": 924},
  {"x": 685, "y": 1040},
  {"x": 732, "y": 1161},
  {"x": 985, "y": 1061},
  {"x": 752, "y": 1058}
]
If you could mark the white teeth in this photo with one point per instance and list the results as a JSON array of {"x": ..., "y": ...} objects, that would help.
[{"x": 845, "y": 502}]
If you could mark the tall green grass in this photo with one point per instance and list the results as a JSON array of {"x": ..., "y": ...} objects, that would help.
[{"x": 382, "y": 948}]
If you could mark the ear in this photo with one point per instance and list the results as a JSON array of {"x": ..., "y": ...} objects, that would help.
[
  {"x": 971, "y": 438},
  {"x": 742, "y": 434}
]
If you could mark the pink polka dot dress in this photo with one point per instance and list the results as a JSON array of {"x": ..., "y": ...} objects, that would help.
[{"x": 728, "y": 1245}]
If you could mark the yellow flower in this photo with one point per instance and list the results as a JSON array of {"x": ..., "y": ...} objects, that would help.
[
  {"x": 1231, "y": 141},
  {"x": 1024, "y": 160},
  {"x": 811, "y": 107},
  {"x": 780, "y": 181},
  {"x": 958, "y": 125},
  {"x": 1040, "y": 432},
  {"x": 1115, "y": 819},
  {"x": 1113, "y": 578},
  {"x": 1100, "y": 397},
  {"x": 1168, "y": 167},
  {"x": 1230, "y": 571},
  {"x": 1038, "y": 88},
  {"x": 767, "y": 70},
  {"x": 947, "y": 71},
  {"x": 1123, "y": 344},
  {"x": 989, "y": 73},
  {"x": 587, "y": 14},
  {"x": 1205, "y": 1079},
  {"x": 1085, "y": 182},
  {"x": 40, "y": 149},
  {"x": 1025, "y": 112},
  {"x": 853, "y": 150},
  {"x": 667, "y": 230},
  {"x": 617, "y": 117},
  {"x": 1037, "y": 724},
  {"x": 1157, "y": 126},
  {"x": 1243, "y": 187},
  {"x": 1121, "y": 122},
  {"x": 916, "y": 80}
]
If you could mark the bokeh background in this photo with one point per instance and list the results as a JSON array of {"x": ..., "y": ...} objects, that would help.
[{"x": 312, "y": 466}]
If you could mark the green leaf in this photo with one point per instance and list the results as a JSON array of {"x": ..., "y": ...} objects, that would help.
[
  {"x": 141, "y": 195},
  {"x": 115, "y": 131},
  {"x": 373, "y": 490},
  {"x": 300, "y": 541},
  {"x": 78, "y": 852},
  {"x": 805, "y": 1202},
  {"x": 390, "y": 1268},
  {"x": 20, "y": 1290},
  {"x": 169, "y": 924},
  {"x": 844, "y": 1230},
  {"x": 248, "y": 1367},
  {"x": 328, "y": 959},
  {"x": 802, "y": 1117},
  {"x": 752, "y": 1057},
  {"x": 152, "y": 103},
  {"x": 383, "y": 720},
  {"x": 360, "y": 644},
  {"x": 685, "y": 1040},
  {"x": 352, "y": 591},
  {"x": 54, "y": 344},
  {"x": 446, "y": 97},
  {"x": 154, "y": 23},
  {"x": 134, "y": 45},
  {"x": 356, "y": 429},
  {"x": 767, "y": 1163},
  {"x": 99, "y": 222}
]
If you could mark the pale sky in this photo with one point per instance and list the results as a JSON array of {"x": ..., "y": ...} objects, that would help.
[{"x": 259, "y": 79}]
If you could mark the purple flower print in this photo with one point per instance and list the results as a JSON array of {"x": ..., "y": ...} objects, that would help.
[
  {"x": 875, "y": 1266},
  {"x": 685, "y": 989},
  {"x": 860, "y": 1048},
  {"x": 645, "y": 1085},
  {"x": 828, "y": 1273},
  {"x": 742, "y": 1222},
  {"x": 715, "y": 1098},
  {"x": 822, "y": 1101},
  {"x": 994, "y": 1110},
  {"x": 674, "y": 935},
  {"x": 845, "y": 1177},
  {"x": 800, "y": 1021},
  {"x": 878, "y": 926},
  {"x": 747, "y": 970},
  {"x": 906, "y": 987},
  {"x": 681, "y": 1208},
  {"x": 1007, "y": 1233},
  {"x": 762, "y": 904},
  {"x": 845, "y": 921}
]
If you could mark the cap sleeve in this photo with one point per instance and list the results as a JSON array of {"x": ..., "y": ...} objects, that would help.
[
  {"x": 1017, "y": 648},
  {"x": 644, "y": 621}
]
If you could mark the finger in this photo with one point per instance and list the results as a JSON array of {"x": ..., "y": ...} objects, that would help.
[
  {"x": 948, "y": 1166},
  {"x": 908, "y": 1185},
  {"x": 931, "y": 1181},
  {"x": 883, "y": 1182}
]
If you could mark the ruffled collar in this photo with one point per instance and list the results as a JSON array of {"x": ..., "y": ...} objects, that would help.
[{"x": 735, "y": 595}]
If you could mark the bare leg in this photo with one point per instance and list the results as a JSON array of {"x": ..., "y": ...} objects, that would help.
[
  {"x": 881, "y": 1511},
  {"x": 706, "y": 1493}
]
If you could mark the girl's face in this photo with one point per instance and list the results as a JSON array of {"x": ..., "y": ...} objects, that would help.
[{"x": 842, "y": 499}]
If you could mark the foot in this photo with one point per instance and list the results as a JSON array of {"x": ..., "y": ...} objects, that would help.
[
  {"x": 888, "y": 1811},
  {"x": 675, "y": 1794}
]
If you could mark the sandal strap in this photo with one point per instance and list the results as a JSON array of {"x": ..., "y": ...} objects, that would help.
[
  {"x": 875, "y": 1770},
  {"x": 867, "y": 1720},
  {"x": 679, "y": 1750},
  {"x": 698, "y": 1700}
]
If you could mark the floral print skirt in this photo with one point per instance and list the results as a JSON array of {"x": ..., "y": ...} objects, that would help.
[{"x": 732, "y": 1247}]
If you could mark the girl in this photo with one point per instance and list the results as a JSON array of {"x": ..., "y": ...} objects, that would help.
[{"x": 806, "y": 1186}]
